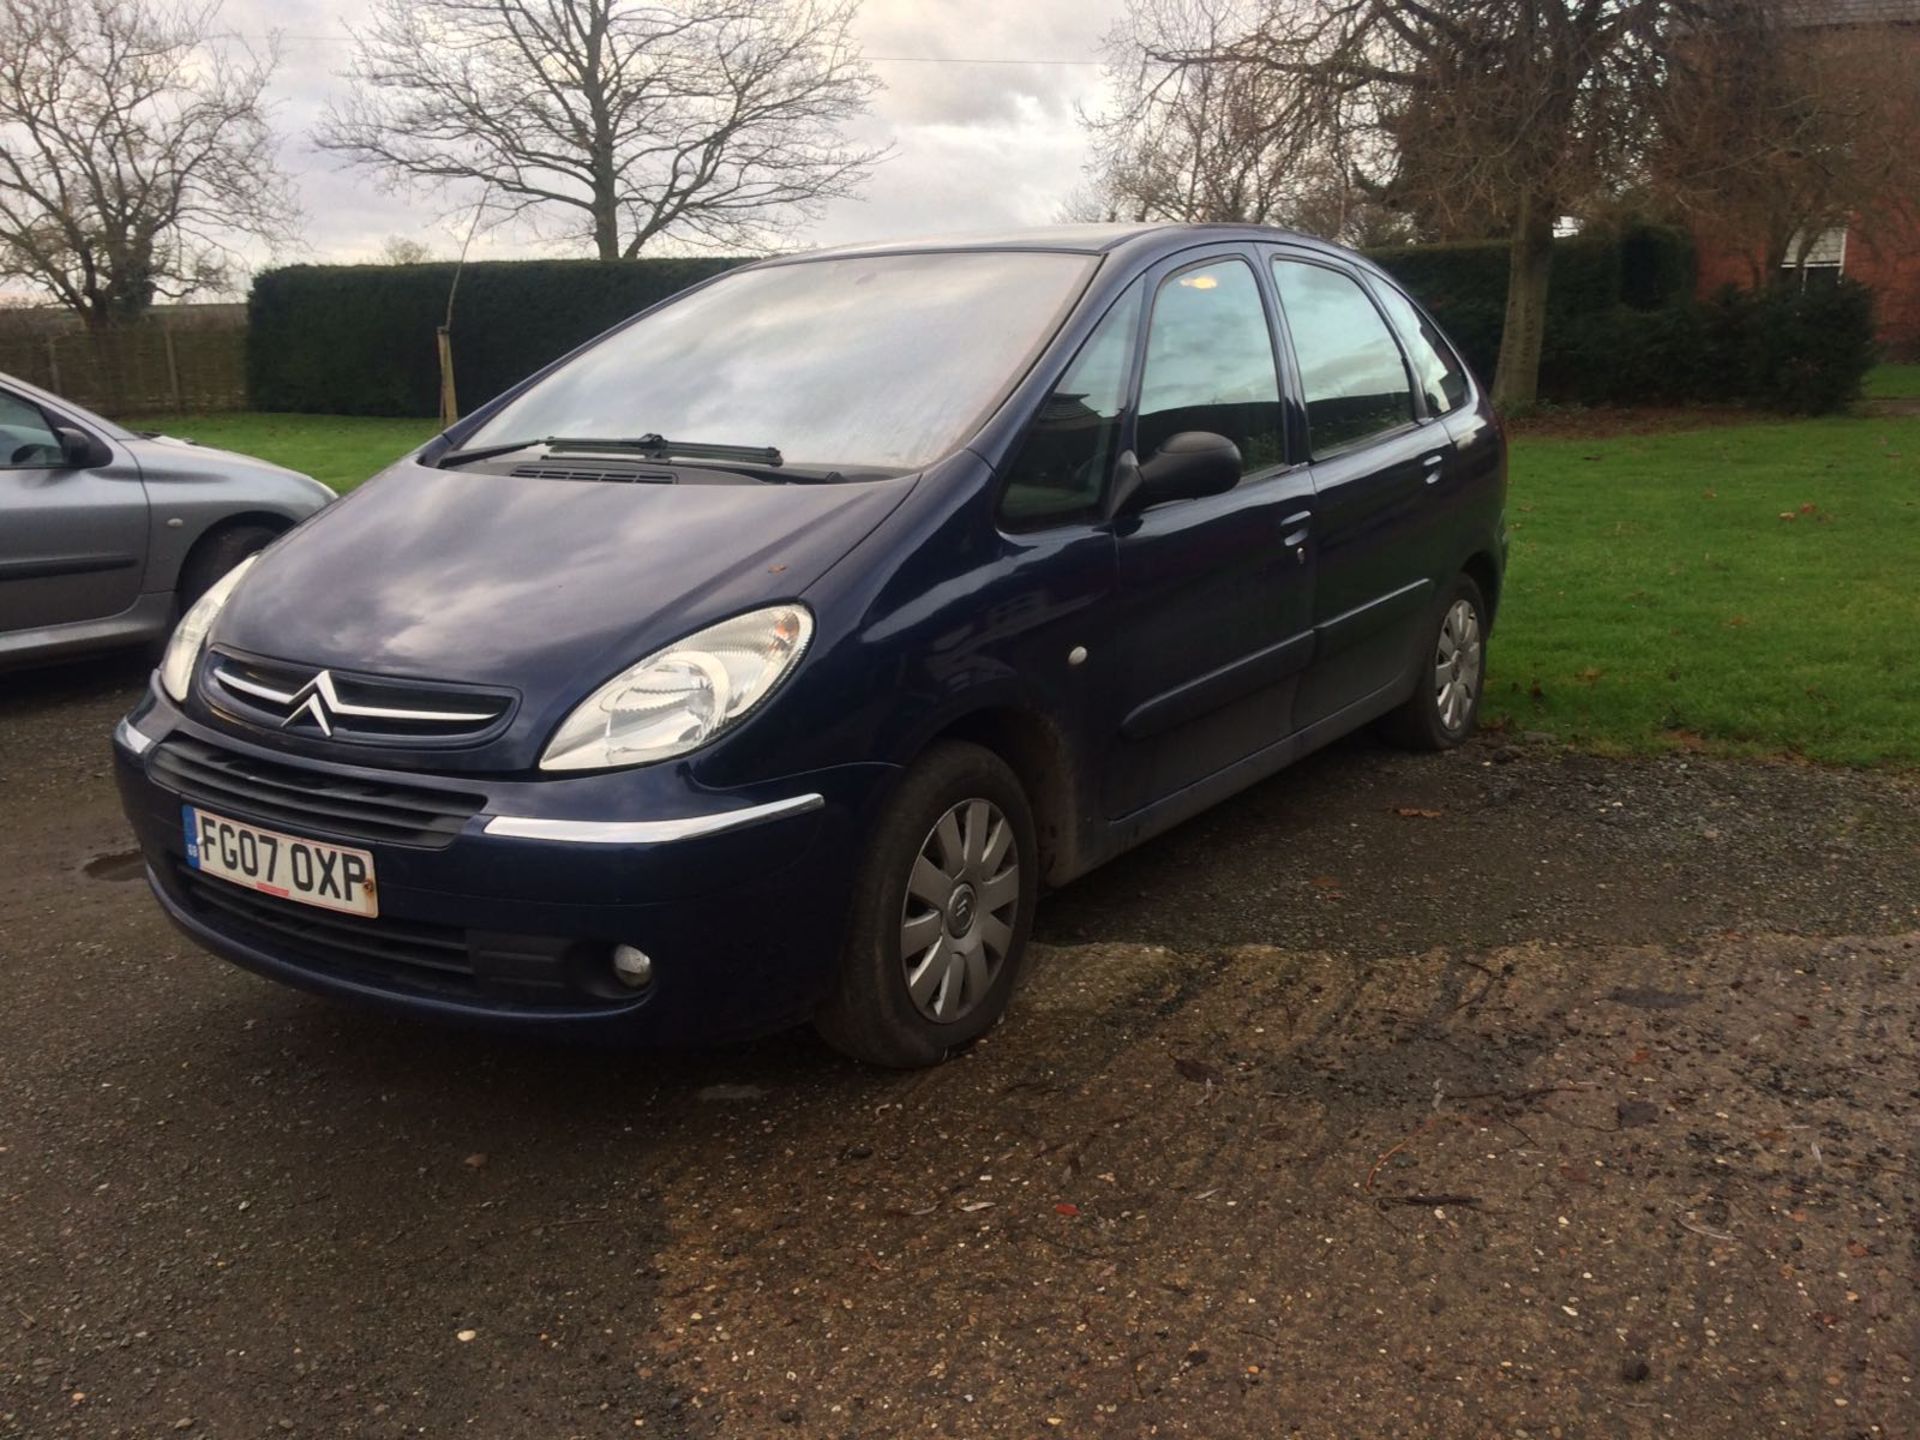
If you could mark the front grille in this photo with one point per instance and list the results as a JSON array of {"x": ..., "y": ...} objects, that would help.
[
  {"x": 317, "y": 802},
  {"x": 626, "y": 474},
  {"x": 434, "y": 956},
  {"x": 365, "y": 708}
]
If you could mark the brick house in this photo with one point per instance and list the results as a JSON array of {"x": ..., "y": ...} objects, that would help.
[{"x": 1881, "y": 251}]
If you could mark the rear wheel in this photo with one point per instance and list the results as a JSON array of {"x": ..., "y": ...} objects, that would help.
[
  {"x": 1452, "y": 674},
  {"x": 215, "y": 555},
  {"x": 943, "y": 907}
]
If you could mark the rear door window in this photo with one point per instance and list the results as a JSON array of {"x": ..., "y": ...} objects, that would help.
[
  {"x": 1210, "y": 365},
  {"x": 1352, "y": 374}
]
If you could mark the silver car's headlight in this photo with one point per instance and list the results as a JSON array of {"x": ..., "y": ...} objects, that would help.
[
  {"x": 190, "y": 635},
  {"x": 679, "y": 698}
]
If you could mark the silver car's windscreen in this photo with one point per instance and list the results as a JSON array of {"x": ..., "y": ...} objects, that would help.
[{"x": 881, "y": 361}]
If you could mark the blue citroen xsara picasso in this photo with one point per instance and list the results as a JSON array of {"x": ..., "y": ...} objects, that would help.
[{"x": 761, "y": 661}]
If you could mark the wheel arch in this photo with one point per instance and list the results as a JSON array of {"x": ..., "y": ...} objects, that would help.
[
  {"x": 1037, "y": 751},
  {"x": 263, "y": 519},
  {"x": 1484, "y": 571}
]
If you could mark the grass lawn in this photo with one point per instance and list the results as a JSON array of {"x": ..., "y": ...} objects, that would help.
[
  {"x": 1747, "y": 588},
  {"x": 1755, "y": 588},
  {"x": 340, "y": 450},
  {"x": 1894, "y": 382}
]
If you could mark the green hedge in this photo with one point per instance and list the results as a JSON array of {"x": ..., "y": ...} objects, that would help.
[
  {"x": 359, "y": 339},
  {"x": 1623, "y": 327},
  {"x": 1464, "y": 285},
  {"x": 1784, "y": 349}
]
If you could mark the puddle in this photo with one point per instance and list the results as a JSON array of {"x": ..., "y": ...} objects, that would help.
[{"x": 116, "y": 865}]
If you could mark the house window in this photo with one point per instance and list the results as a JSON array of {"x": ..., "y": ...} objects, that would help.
[{"x": 1825, "y": 259}]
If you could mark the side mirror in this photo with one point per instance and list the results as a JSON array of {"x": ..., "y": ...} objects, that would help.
[
  {"x": 1190, "y": 465},
  {"x": 81, "y": 451}
]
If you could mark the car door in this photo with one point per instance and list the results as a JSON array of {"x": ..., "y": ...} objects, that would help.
[
  {"x": 1377, "y": 461},
  {"x": 1475, "y": 473},
  {"x": 73, "y": 542},
  {"x": 1214, "y": 595}
]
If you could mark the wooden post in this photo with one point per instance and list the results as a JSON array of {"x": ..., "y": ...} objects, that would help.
[
  {"x": 449, "y": 407},
  {"x": 173, "y": 370},
  {"x": 53, "y": 363}
]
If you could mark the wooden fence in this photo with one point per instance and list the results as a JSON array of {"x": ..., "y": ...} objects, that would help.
[{"x": 145, "y": 369}]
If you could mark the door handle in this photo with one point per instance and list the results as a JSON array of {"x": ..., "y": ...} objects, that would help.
[
  {"x": 1297, "y": 527},
  {"x": 1433, "y": 463}
]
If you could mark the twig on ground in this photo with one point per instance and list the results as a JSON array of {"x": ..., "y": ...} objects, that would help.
[
  {"x": 1430, "y": 1202},
  {"x": 1425, "y": 1125},
  {"x": 1522, "y": 1097},
  {"x": 1698, "y": 1229}
]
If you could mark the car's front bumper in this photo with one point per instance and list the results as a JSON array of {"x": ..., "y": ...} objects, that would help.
[{"x": 739, "y": 898}]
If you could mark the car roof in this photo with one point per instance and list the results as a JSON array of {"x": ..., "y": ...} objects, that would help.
[{"x": 1146, "y": 240}]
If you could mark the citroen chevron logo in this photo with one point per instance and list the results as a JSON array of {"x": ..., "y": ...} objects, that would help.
[{"x": 318, "y": 699}]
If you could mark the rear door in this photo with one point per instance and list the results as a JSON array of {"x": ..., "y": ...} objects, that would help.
[
  {"x": 73, "y": 543},
  {"x": 1215, "y": 595},
  {"x": 1475, "y": 475},
  {"x": 1378, "y": 458}
]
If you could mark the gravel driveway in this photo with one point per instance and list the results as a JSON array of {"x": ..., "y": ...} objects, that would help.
[{"x": 1509, "y": 1093}]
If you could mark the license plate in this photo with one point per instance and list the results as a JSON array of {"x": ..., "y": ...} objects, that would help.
[{"x": 333, "y": 877}]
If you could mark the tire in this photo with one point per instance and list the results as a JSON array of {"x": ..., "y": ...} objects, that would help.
[
  {"x": 1452, "y": 674},
  {"x": 919, "y": 977},
  {"x": 214, "y": 555}
]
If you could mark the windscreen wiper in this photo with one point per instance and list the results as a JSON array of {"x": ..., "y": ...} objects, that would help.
[
  {"x": 658, "y": 447},
  {"x": 484, "y": 452},
  {"x": 650, "y": 447}
]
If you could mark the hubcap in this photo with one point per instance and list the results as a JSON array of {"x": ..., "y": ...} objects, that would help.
[
  {"x": 957, "y": 921},
  {"x": 960, "y": 912},
  {"x": 1456, "y": 675}
]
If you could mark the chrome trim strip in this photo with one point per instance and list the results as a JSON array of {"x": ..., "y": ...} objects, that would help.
[
  {"x": 322, "y": 684},
  {"x": 648, "y": 832},
  {"x": 137, "y": 741},
  {"x": 383, "y": 712},
  {"x": 248, "y": 687}
]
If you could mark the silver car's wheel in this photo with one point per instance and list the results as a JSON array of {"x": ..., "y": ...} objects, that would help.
[
  {"x": 956, "y": 925},
  {"x": 1458, "y": 666}
]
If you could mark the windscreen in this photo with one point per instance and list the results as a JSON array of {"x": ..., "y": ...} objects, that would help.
[{"x": 879, "y": 361}]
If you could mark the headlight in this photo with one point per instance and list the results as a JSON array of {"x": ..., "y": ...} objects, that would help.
[
  {"x": 679, "y": 698},
  {"x": 190, "y": 635}
]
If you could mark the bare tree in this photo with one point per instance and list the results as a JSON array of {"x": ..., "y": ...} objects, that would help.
[
  {"x": 710, "y": 121},
  {"x": 133, "y": 152},
  {"x": 406, "y": 250},
  {"x": 1229, "y": 142},
  {"x": 1778, "y": 128},
  {"x": 1469, "y": 115}
]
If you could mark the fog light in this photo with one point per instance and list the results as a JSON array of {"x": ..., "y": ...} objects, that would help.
[{"x": 634, "y": 967}]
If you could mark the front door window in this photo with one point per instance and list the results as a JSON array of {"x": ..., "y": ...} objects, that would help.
[
  {"x": 1210, "y": 365},
  {"x": 27, "y": 441}
]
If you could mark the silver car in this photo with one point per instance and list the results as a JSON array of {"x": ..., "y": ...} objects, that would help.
[{"x": 106, "y": 535}]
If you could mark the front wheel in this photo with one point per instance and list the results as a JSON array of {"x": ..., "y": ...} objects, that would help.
[
  {"x": 215, "y": 555},
  {"x": 1451, "y": 675},
  {"x": 943, "y": 905}
]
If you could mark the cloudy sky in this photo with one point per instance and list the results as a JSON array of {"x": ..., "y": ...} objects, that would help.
[{"x": 976, "y": 145}]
